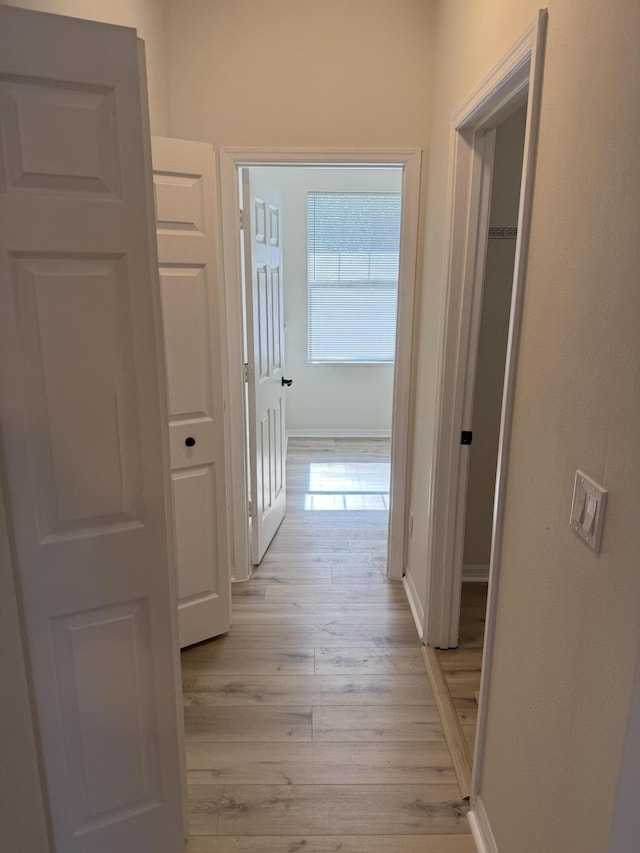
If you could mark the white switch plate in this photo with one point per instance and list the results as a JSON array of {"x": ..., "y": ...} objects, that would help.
[{"x": 587, "y": 509}]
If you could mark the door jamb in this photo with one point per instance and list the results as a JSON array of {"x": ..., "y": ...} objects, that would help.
[
  {"x": 230, "y": 160},
  {"x": 517, "y": 78}
]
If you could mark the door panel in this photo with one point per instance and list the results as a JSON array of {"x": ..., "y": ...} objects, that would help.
[
  {"x": 51, "y": 293},
  {"x": 60, "y": 138},
  {"x": 83, "y": 442},
  {"x": 184, "y": 179},
  {"x": 265, "y": 332},
  {"x": 277, "y": 320},
  {"x": 95, "y": 651},
  {"x": 194, "y": 492},
  {"x": 186, "y": 332}
]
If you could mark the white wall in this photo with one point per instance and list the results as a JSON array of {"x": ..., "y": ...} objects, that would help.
[
  {"x": 148, "y": 17},
  {"x": 330, "y": 397},
  {"x": 568, "y": 621},
  {"x": 492, "y": 341},
  {"x": 300, "y": 73}
]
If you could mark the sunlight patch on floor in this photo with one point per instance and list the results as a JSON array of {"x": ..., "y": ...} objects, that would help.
[
  {"x": 346, "y": 502},
  {"x": 344, "y": 486}
]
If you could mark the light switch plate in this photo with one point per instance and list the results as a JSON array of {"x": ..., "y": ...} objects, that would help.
[{"x": 587, "y": 509}]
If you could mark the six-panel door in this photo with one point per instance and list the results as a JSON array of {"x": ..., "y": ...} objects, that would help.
[
  {"x": 265, "y": 333},
  {"x": 184, "y": 180},
  {"x": 83, "y": 438}
]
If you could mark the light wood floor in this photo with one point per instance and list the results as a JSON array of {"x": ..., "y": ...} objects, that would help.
[
  {"x": 311, "y": 725},
  {"x": 462, "y": 666}
]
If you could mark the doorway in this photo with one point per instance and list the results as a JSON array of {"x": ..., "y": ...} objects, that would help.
[
  {"x": 320, "y": 258},
  {"x": 462, "y": 666},
  {"x": 492, "y": 345},
  {"x": 516, "y": 81},
  {"x": 231, "y": 160}
]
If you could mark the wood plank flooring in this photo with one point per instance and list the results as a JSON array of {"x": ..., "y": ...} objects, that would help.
[
  {"x": 460, "y": 754},
  {"x": 462, "y": 666},
  {"x": 311, "y": 726}
]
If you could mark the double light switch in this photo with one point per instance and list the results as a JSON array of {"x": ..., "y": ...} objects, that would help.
[{"x": 587, "y": 510}]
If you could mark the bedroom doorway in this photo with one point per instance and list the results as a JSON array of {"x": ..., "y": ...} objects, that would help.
[{"x": 232, "y": 160}]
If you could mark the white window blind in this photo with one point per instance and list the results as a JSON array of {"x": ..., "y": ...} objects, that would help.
[{"x": 353, "y": 254}]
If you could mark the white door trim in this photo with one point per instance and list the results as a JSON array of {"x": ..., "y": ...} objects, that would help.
[
  {"x": 515, "y": 79},
  {"x": 230, "y": 160},
  {"x": 481, "y": 829}
]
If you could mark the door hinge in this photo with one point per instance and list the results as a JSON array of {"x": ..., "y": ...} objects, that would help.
[
  {"x": 466, "y": 436},
  {"x": 250, "y": 508},
  {"x": 246, "y": 371},
  {"x": 242, "y": 220}
]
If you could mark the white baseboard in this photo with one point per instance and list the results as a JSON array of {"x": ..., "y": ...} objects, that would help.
[
  {"x": 475, "y": 574},
  {"x": 480, "y": 828},
  {"x": 338, "y": 433},
  {"x": 417, "y": 611}
]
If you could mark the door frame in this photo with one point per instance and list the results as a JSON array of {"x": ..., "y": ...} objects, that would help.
[
  {"x": 515, "y": 80},
  {"x": 230, "y": 160}
]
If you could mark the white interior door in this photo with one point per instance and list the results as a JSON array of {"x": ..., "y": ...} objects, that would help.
[
  {"x": 184, "y": 182},
  {"x": 83, "y": 445},
  {"x": 265, "y": 346}
]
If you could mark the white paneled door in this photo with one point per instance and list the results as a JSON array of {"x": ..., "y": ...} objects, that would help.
[
  {"x": 83, "y": 431},
  {"x": 184, "y": 182},
  {"x": 265, "y": 373}
]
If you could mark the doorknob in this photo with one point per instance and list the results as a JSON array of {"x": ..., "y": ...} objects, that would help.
[
  {"x": 190, "y": 441},
  {"x": 287, "y": 381}
]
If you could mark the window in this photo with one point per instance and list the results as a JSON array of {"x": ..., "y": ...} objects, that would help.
[{"x": 353, "y": 253}]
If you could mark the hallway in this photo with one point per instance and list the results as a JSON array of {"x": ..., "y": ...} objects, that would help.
[{"x": 311, "y": 725}]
